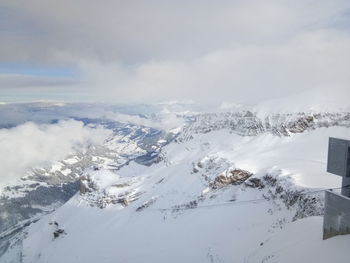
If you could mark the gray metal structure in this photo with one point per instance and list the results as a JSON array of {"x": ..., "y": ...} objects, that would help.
[
  {"x": 336, "y": 219},
  {"x": 339, "y": 161}
]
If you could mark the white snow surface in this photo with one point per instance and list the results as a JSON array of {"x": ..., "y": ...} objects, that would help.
[{"x": 222, "y": 227}]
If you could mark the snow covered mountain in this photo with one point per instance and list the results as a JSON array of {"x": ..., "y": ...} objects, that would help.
[
  {"x": 44, "y": 188},
  {"x": 226, "y": 187}
]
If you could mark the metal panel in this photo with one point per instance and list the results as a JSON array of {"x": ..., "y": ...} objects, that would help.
[
  {"x": 336, "y": 220},
  {"x": 338, "y": 150}
]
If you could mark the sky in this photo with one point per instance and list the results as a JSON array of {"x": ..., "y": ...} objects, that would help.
[{"x": 147, "y": 51}]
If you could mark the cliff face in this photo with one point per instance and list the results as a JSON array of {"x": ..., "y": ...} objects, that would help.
[{"x": 250, "y": 124}]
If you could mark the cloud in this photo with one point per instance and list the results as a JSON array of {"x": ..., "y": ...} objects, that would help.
[
  {"x": 143, "y": 30},
  {"x": 143, "y": 51},
  {"x": 165, "y": 120},
  {"x": 27, "y": 81},
  {"x": 245, "y": 74},
  {"x": 30, "y": 145}
]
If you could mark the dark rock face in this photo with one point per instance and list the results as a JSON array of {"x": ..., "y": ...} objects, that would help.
[
  {"x": 302, "y": 201},
  {"x": 58, "y": 232},
  {"x": 190, "y": 205},
  {"x": 235, "y": 177},
  {"x": 255, "y": 183},
  {"x": 146, "y": 204}
]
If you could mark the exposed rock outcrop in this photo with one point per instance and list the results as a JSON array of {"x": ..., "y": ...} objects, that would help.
[
  {"x": 247, "y": 123},
  {"x": 300, "y": 200},
  {"x": 235, "y": 177}
]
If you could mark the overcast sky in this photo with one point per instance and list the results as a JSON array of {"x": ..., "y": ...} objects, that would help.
[{"x": 243, "y": 51}]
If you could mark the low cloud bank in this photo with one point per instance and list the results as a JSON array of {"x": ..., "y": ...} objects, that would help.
[
  {"x": 165, "y": 121},
  {"x": 30, "y": 144}
]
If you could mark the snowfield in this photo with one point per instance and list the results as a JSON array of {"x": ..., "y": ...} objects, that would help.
[{"x": 217, "y": 197}]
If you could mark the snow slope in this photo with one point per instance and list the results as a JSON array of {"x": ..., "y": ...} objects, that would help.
[
  {"x": 294, "y": 245},
  {"x": 171, "y": 211}
]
